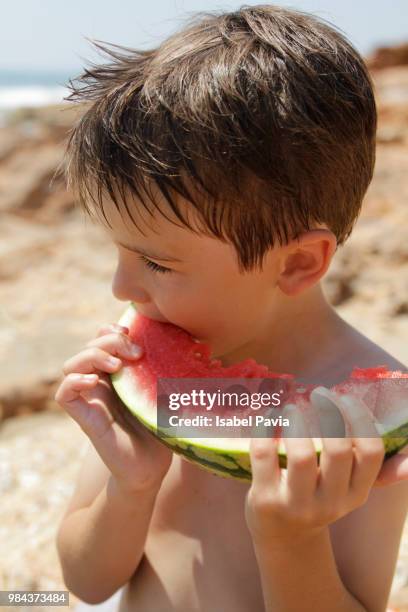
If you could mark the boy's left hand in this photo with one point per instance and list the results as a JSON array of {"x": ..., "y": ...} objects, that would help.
[{"x": 306, "y": 497}]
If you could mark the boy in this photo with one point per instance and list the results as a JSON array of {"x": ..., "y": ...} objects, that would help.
[{"x": 252, "y": 134}]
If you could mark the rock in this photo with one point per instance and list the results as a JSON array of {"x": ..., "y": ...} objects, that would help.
[
  {"x": 48, "y": 317},
  {"x": 384, "y": 57},
  {"x": 25, "y": 178}
]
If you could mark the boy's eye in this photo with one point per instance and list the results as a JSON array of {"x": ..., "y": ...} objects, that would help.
[{"x": 154, "y": 266}]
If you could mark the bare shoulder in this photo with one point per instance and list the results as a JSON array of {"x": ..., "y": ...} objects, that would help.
[
  {"x": 92, "y": 477},
  {"x": 356, "y": 350},
  {"x": 372, "y": 353},
  {"x": 346, "y": 349}
]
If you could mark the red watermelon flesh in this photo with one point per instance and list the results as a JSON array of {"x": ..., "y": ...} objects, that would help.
[{"x": 171, "y": 352}]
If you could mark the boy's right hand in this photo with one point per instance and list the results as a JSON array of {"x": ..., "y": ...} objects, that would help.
[{"x": 136, "y": 460}]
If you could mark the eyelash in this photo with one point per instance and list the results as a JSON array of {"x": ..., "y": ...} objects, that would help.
[{"x": 154, "y": 266}]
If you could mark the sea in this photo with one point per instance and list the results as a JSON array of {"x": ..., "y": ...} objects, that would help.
[{"x": 29, "y": 88}]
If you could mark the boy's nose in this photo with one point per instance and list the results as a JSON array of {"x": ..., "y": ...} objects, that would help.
[{"x": 127, "y": 293}]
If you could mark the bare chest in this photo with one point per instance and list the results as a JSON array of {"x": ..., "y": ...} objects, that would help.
[{"x": 199, "y": 554}]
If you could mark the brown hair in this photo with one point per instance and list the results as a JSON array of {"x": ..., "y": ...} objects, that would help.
[{"x": 264, "y": 119}]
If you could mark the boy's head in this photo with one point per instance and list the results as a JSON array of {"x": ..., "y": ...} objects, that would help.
[{"x": 251, "y": 127}]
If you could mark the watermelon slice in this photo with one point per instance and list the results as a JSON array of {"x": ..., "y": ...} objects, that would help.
[{"x": 171, "y": 353}]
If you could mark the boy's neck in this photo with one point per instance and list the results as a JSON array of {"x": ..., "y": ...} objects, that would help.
[{"x": 300, "y": 337}]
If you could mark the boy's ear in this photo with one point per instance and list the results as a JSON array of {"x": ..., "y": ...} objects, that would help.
[{"x": 305, "y": 260}]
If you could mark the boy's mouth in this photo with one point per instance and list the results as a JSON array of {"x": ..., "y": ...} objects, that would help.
[
  {"x": 164, "y": 320},
  {"x": 155, "y": 318}
]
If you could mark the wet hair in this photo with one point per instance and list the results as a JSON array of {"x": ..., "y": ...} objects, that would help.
[{"x": 263, "y": 119}]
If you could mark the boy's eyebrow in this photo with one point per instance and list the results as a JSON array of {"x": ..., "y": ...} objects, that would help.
[{"x": 146, "y": 254}]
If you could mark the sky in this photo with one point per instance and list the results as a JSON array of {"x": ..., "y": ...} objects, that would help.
[{"x": 51, "y": 34}]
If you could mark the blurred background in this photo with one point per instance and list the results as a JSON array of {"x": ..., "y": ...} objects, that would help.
[{"x": 56, "y": 267}]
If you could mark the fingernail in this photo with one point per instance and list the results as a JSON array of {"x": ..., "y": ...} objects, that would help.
[
  {"x": 113, "y": 361},
  {"x": 135, "y": 350},
  {"x": 90, "y": 377}
]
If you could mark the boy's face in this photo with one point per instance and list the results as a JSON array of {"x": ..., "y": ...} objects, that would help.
[{"x": 203, "y": 291}]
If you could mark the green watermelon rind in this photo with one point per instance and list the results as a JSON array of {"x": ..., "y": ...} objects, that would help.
[{"x": 210, "y": 452}]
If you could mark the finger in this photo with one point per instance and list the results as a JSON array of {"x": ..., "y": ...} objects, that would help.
[
  {"x": 368, "y": 445},
  {"x": 94, "y": 418},
  {"x": 330, "y": 418},
  {"x": 361, "y": 420},
  {"x": 336, "y": 468},
  {"x": 301, "y": 456},
  {"x": 337, "y": 455},
  {"x": 109, "y": 328},
  {"x": 117, "y": 344},
  {"x": 393, "y": 470},
  {"x": 69, "y": 397},
  {"x": 264, "y": 463},
  {"x": 73, "y": 384},
  {"x": 100, "y": 355},
  {"x": 118, "y": 410},
  {"x": 91, "y": 361}
]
